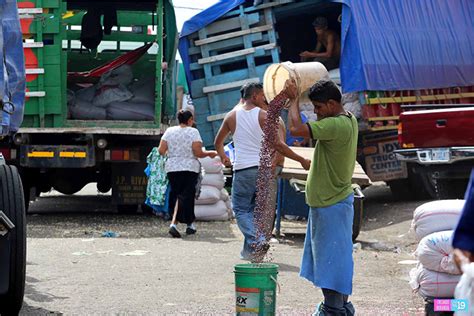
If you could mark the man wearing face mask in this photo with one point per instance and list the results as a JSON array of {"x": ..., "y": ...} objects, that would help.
[
  {"x": 328, "y": 48},
  {"x": 327, "y": 256},
  {"x": 245, "y": 123}
]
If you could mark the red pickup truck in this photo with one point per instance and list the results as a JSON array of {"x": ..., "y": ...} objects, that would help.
[{"x": 438, "y": 145}]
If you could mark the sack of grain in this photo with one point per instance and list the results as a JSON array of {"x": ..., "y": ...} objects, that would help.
[
  {"x": 83, "y": 110},
  {"x": 127, "y": 111},
  {"x": 209, "y": 195},
  {"x": 436, "y": 253},
  {"x": 436, "y": 216},
  {"x": 224, "y": 195},
  {"x": 216, "y": 180},
  {"x": 432, "y": 284},
  {"x": 213, "y": 212},
  {"x": 86, "y": 94},
  {"x": 211, "y": 165}
]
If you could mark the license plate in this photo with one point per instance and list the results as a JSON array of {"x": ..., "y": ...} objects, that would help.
[
  {"x": 434, "y": 155},
  {"x": 440, "y": 155}
]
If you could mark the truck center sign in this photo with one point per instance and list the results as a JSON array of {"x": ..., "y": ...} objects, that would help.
[{"x": 383, "y": 165}]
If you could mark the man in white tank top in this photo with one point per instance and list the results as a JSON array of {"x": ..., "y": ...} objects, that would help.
[{"x": 245, "y": 124}]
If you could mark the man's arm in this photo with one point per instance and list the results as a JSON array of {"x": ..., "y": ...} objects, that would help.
[
  {"x": 221, "y": 136},
  {"x": 329, "y": 47},
  {"x": 286, "y": 151}
]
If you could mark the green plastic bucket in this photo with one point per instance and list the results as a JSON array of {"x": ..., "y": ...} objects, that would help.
[{"x": 255, "y": 289}]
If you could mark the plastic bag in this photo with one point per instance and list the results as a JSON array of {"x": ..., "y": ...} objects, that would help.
[{"x": 465, "y": 289}]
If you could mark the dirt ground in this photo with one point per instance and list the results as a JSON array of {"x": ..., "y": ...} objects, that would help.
[{"x": 72, "y": 270}]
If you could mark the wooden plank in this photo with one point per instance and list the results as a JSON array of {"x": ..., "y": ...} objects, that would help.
[
  {"x": 222, "y": 37},
  {"x": 259, "y": 53},
  {"x": 37, "y": 94},
  {"x": 30, "y": 11},
  {"x": 274, "y": 3},
  {"x": 439, "y": 97},
  {"x": 216, "y": 117},
  {"x": 225, "y": 25},
  {"x": 230, "y": 44},
  {"x": 293, "y": 169},
  {"x": 34, "y": 71},
  {"x": 33, "y": 45},
  {"x": 229, "y": 85},
  {"x": 242, "y": 52}
]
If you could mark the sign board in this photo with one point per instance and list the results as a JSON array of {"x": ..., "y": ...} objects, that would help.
[
  {"x": 383, "y": 164},
  {"x": 129, "y": 184}
]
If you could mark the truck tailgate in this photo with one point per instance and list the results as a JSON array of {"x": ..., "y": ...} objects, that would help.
[{"x": 438, "y": 128}]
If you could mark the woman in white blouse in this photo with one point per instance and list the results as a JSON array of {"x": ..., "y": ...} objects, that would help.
[{"x": 183, "y": 145}]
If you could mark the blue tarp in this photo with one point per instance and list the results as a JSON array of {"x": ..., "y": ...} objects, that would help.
[
  {"x": 198, "y": 22},
  {"x": 388, "y": 45},
  {"x": 407, "y": 44},
  {"x": 12, "y": 72}
]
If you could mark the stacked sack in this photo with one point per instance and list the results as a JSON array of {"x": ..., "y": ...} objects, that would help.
[
  {"x": 213, "y": 203},
  {"x": 436, "y": 275}
]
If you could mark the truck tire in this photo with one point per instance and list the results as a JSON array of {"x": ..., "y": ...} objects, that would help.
[
  {"x": 440, "y": 189},
  {"x": 13, "y": 205}
]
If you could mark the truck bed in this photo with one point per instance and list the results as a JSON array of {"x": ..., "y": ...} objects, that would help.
[{"x": 437, "y": 128}]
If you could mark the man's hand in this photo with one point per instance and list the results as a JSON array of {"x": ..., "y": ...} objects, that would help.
[
  {"x": 462, "y": 257},
  {"x": 291, "y": 89},
  {"x": 306, "y": 54},
  {"x": 306, "y": 164},
  {"x": 226, "y": 161}
]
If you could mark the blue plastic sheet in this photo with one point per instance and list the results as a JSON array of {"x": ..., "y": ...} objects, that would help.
[
  {"x": 12, "y": 74},
  {"x": 387, "y": 44},
  {"x": 196, "y": 23},
  {"x": 407, "y": 44}
]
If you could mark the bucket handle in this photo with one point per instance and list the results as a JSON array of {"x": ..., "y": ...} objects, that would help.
[{"x": 276, "y": 282}]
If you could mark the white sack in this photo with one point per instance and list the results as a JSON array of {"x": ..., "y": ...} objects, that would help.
[
  {"x": 436, "y": 216},
  {"x": 465, "y": 288},
  {"x": 224, "y": 195},
  {"x": 214, "y": 212},
  {"x": 216, "y": 180},
  {"x": 436, "y": 253},
  {"x": 211, "y": 165},
  {"x": 209, "y": 195},
  {"x": 433, "y": 284}
]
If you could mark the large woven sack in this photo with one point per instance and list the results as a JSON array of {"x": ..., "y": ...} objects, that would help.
[
  {"x": 211, "y": 165},
  {"x": 127, "y": 111},
  {"x": 436, "y": 216},
  {"x": 110, "y": 94},
  {"x": 209, "y": 195},
  {"x": 432, "y": 284},
  {"x": 143, "y": 91},
  {"x": 83, "y": 110},
  {"x": 216, "y": 180},
  {"x": 436, "y": 253},
  {"x": 224, "y": 195},
  {"x": 86, "y": 94},
  {"x": 214, "y": 212}
]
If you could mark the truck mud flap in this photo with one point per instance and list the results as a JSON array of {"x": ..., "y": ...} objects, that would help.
[{"x": 44, "y": 156}]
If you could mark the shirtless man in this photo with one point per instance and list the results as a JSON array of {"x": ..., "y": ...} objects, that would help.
[{"x": 328, "y": 48}]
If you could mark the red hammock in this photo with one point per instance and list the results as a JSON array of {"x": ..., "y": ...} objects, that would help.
[{"x": 126, "y": 59}]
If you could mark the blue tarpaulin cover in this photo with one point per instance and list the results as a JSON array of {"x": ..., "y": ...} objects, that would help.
[
  {"x": 12, "y": 72},
  {"x": 388, "y": 45}
]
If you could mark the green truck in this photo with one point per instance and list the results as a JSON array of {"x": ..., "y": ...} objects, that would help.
[{"x": 94, "y": 114}]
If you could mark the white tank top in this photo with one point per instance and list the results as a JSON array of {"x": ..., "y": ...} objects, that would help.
[{"x": 247, "y": 138}]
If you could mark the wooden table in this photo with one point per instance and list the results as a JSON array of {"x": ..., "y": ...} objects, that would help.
[{"x": 293, "y": 170}]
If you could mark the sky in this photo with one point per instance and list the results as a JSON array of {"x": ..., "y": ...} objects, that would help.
[{"x": 185, "y": 9}]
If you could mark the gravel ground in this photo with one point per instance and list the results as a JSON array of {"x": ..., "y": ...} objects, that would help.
[{"x": 72, "y": 270}]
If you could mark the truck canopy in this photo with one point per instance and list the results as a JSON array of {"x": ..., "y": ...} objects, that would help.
[
  {"x": 387, "y": 45},
  {"x": 12, "y": 69}
]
